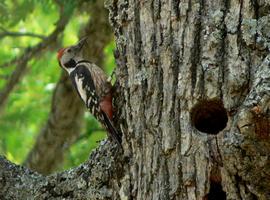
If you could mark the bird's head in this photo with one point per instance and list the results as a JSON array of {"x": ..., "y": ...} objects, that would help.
[{"x": 69, "y": 56}]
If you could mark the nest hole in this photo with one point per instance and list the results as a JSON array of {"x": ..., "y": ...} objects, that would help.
[
  {"x": 216, "y": 192},
  {"x": 209, "y": 116}
]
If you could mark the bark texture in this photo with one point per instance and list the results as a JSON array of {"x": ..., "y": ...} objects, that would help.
[
  {"x": 88, "y": 181},
  {"x": 172, "y": 55},
  {"x": 64, "y": 123}
]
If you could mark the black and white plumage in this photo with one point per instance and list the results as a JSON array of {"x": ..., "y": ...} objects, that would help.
[
  {"x": 91, "y": 85},
  {"x": 82, "y": 81}
]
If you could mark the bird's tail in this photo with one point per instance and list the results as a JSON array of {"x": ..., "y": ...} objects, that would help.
[{"x": 111, "y": 129}]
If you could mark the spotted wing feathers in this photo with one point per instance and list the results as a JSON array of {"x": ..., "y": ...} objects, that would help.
[{"x": 83, "y": 82}]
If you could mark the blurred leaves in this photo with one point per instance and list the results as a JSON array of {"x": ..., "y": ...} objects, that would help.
[{"x": 29, "y": 104}]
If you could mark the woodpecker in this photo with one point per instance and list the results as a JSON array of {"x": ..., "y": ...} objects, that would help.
[{"x": 92, "y": 85}]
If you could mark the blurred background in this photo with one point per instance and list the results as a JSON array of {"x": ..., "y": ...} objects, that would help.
[{"x": 35, "y": 129}]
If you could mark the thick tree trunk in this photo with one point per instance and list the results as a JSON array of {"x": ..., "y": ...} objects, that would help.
[
  {"x": 172, "y": 55},
  {"x": 179, "y": 62}
]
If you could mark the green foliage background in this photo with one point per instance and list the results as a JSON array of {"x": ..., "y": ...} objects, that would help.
[{"x": 29, "y": 104}]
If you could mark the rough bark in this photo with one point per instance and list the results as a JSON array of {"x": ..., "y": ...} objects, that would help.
[
  {"x": 64, "y": 123},
  {"x": 172, "y": 55},
  {"x": 88, "y": 181}
]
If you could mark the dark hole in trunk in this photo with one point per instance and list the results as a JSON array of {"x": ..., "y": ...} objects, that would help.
[
  {"x": 216, "y": 192},
  {"x": 209, "y": 116}
]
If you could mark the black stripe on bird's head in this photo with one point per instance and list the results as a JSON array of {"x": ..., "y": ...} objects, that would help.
[
  {"x": 70, "y": 64},
  {"x": 68, "y": 57}
]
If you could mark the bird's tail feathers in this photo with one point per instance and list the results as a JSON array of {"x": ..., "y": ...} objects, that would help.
[{"x": 111, "y": 129}]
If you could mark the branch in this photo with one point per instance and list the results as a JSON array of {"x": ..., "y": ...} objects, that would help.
[
  {"x": 6, "y": 33},
  {"x": 22, "y": 61},
  {"x": 95, "y": 179}
]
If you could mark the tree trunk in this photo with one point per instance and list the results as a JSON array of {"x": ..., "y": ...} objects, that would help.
[
  {"x": 179, "y": 63},
  {"x": 174, "y": 56}
]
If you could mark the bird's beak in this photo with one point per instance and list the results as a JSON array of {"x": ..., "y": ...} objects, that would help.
[{"x": 80, "y": 44}]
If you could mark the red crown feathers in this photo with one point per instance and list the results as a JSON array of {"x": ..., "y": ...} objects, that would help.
[{"x": 60, "y": 53}]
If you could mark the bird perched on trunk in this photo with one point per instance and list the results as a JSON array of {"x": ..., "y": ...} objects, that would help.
[{"x": 91, "y": 83}]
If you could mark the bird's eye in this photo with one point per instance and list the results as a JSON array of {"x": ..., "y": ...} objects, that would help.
[{"x": 69, "y": 50}]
